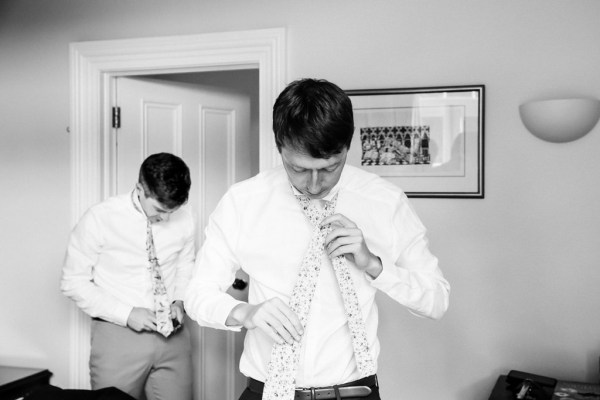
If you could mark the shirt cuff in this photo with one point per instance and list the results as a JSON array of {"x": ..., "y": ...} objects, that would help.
[
  {"x": 384, "y": 280},
  {"x": 223, "y": 310},
  {"x": 121, "y": 314}
]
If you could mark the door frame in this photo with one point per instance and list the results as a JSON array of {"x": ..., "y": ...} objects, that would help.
[{"x": 94, "y": 64}]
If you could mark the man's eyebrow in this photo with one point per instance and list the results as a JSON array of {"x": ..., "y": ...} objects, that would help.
[{"x": 294, "y": 166}]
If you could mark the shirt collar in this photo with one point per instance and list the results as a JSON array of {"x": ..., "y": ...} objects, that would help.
[{"x": 135, "y": 200}]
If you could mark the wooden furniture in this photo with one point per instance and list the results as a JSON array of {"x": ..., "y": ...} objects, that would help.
[{"x": 16, "y": 382}]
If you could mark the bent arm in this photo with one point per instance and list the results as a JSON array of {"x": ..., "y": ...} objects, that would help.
[
  {"x": 411, "y": 275},
  {"x": 416, "y": 282},
  {"x": 206, "y": 299},
  {"x": 77, "y": 281}
]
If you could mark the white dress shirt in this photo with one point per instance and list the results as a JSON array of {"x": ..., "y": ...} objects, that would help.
[
  {"x": 106, "y": 269},
  {"x": 259, "y": 226}
]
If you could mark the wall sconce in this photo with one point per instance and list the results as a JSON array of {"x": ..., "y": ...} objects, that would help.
[{"x": 561, "y": 120}]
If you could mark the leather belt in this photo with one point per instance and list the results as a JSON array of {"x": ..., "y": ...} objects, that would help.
[
  {"x": 359, "y": 388},
  {"x": 176, "y": 328}
]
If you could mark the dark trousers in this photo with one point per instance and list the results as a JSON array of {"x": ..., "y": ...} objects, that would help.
[{"x": 251, "y": 395}]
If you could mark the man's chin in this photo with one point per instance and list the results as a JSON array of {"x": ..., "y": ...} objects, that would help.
[{"x": 318, "y": 196}]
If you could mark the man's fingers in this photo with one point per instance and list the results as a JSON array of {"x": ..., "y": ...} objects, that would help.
[
  {"x": 274, "y": 317},
  {"x": 141, "y": 319},
  {"x": 344, "y": 236},
  {"x": 345, "y": 250},
  {"x": 290, "y": 329},
  {"x": 176, "y": 313},
  {"x": 278, "y": 332},
  {"x": 279, "y": 318},
  {"x": 272, "y": 332},
  {"x": 149, "y": 325},
  {"x": 340, "y": 241},
  {"x": 339, "y": 220},
  {"x": 349, "y": 242},
  {"x": 150, "y": 321},
  {"x": 337, "y": 232},
  {"x": 285, "y": 321}
]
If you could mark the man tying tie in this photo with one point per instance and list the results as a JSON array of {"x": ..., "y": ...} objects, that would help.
[
  {"x": 317, "y": 239},
  {"x": 127, "y": 265}
]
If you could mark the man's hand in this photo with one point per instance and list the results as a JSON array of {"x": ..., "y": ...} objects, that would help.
[
  {"x": 347, "y": 239},
  {"x": 273, "y": 316},
  {"x": 177, "y": 311},
  {"x": 141, "y": 319}
]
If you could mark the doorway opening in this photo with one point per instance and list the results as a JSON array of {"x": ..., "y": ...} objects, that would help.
[
  {"x": 210, "y": 120},
  {"x": 94, "y": 65}
]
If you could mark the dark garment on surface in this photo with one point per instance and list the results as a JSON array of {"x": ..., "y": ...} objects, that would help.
[{"x": 50, "y": 392}]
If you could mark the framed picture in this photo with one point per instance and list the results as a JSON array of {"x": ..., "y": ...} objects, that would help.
[{"x": 428, "y": 141}]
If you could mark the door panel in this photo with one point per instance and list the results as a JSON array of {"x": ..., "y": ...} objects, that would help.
[{"x": 207, "y": 128}]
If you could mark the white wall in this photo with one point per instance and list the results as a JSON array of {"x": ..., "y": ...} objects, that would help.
[{"x": 523, "y": 262}]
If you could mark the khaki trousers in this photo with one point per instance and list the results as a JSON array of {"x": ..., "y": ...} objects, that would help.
[{"x": 145, "y": 365}]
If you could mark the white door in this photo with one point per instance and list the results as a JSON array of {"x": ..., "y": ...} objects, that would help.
[{"x": 209, "y": 130}]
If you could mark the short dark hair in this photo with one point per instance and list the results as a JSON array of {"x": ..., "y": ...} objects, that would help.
[
  {"x": 313, "y": 116},
  {"x": 166, "y": 178}
]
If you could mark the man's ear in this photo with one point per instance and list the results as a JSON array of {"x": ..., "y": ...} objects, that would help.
[{"x": 140, "y": 189}]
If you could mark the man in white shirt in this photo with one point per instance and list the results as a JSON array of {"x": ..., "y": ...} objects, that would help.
[
  {"x": 124, "y": 254},
  {"x": 260, "y": 226}
]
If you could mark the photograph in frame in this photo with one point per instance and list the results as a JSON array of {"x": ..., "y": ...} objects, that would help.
[{"x": 428, "y": 141}]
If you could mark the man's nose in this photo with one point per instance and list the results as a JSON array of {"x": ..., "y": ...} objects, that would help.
[{"x": 314, "y": 183}]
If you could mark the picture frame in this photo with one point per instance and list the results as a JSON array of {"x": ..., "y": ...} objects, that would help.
[{"x": 429, "y": 141}]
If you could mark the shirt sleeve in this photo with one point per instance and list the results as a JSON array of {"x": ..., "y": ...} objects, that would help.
[
  {"x": 77, "y": 281},
  {"x": 411, "y": 274},
  {"x": 206, "y": 299},
  {"x": 185, "y": 262}
]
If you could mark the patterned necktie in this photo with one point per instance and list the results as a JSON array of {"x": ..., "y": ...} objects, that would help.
[
  {"x": 162, "y": 308},
  {"x": 280, "y": 383}
]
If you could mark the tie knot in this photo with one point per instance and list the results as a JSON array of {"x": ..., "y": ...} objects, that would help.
[
  {"x": 318, "y": 209},
  {"x": 305, "y": 201}
]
